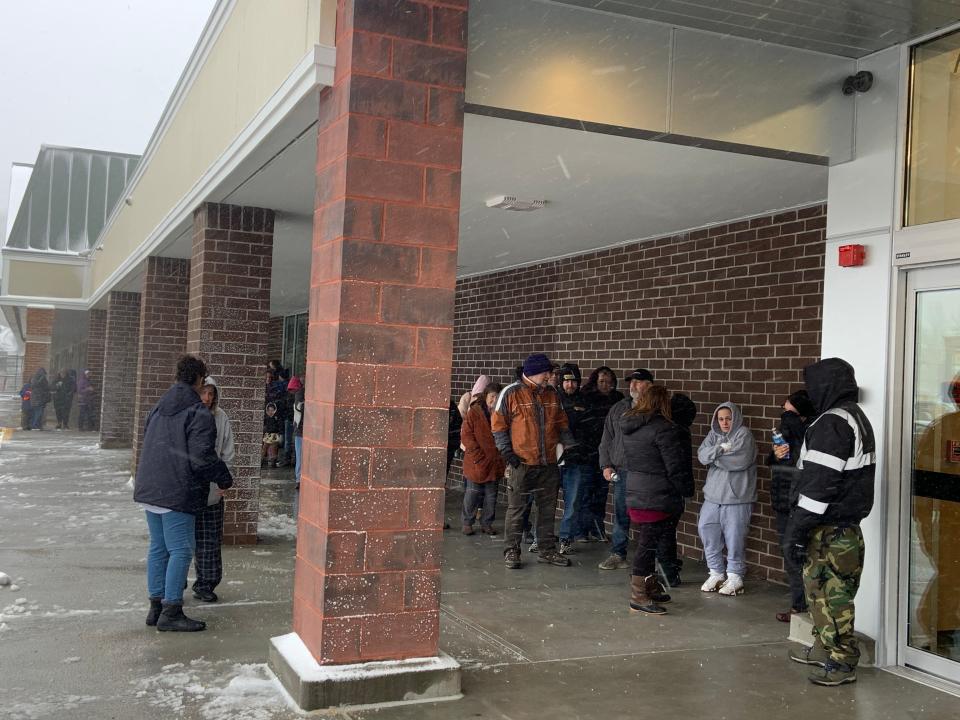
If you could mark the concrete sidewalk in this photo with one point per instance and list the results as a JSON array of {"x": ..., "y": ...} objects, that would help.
[{"x": 541, "y": 642}]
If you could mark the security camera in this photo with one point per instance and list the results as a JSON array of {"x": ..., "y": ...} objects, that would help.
[{"x": 859, "y": 83}]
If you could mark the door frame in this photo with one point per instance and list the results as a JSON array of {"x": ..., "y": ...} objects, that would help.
[{"x": 912, "y": 281}]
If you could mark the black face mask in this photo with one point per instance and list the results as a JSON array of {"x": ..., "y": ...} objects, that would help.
[{"x": 791, "y": 424}]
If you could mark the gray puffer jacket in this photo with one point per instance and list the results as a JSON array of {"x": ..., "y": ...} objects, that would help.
[{"x": 732, "y": 473}]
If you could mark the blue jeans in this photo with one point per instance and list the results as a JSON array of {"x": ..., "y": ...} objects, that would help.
[
  {"x": 576, "y": 481},
  {"x": 621, "y": 521},
  {"x": 172, "y": 542},
  {"x": 298, "y": 444},
  {"x": 38, "y": 411}
]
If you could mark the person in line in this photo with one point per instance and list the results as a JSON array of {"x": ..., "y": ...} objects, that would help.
[
  {"x": 469, "y": 397},
  {"x": 730, "y": 454},
  {"x": 299, "y": 403},
  {"x": 601, "y": 394},
  {"x": 63, "y": 390},
  {"x": 528, "y": 423},
  {"x": 580, "y": 462},
  {"x": 482, "y": 465},
  {"x": 26, "y": 408},
  {"x": 833, "y": 494},
  {"x": 613, "y": 464},
  {"x": 272, "y": 435},
  {"x": 178, "y": 461},
  {"x": 683, "y": 412},
  {"x": 291, "y": 451},
  {"x": 39, "y": 398},
  {"x": 659, "y": 475},
  {"x": 209, "y": 524},
  {"x": 797, "y": 413},
  {"x": 276, "y": 394},
  {"x": 86, "y": 402}
]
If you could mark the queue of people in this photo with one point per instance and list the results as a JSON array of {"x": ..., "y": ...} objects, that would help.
[
  {"x": 549, "y": 433},
  {"x": 39, "y": 391}
]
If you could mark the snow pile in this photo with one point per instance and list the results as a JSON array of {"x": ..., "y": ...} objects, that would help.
[
  {"x": 4, "y": 579},
  {"x": 280, "y": 527},
  {"x": 244, "y": 692}
]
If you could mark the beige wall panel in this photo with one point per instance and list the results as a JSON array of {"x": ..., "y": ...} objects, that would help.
[
  {"x": 259, "y": 46},
  {"x": 45, "y": 280}
]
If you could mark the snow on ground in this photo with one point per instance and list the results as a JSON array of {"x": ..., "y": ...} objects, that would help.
[
  {"x": 216, "y": 691},
  {"x": 282, "y": 527},
  {"x": 45, "y": 708}
]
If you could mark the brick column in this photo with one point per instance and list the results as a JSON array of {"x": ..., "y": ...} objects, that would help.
[
  {"x": 119, "y": 383},
  {"x": 229, "y": 312},
  {"x": 96, "y": 342},
  {"x": 367, "y": 583},
  {"x": 36, "y": 350},
  {"x": 163, "y": 335}
]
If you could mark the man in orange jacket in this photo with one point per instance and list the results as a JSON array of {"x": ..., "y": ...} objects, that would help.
[{"x": 528, "y": 425}]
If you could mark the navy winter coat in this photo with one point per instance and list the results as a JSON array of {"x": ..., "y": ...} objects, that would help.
[{"x": 178, "y": 460}]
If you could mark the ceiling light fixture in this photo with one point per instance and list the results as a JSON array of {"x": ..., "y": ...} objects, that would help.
[{"x": 510, "y": 202}]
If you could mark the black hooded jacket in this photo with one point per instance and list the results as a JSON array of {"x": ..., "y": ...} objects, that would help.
[
  {"x": 579, "y": 416},
  {"x": 684, "y": 412},
  {"x": 178, "y": 460},
  {"x": 784, "y": 473},
  {"x": 658, "y": 460},
  {"x": 838, "y": 457}
]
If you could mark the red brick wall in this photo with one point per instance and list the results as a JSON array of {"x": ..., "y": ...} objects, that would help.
[
  {"x": 120, "y": 369},
  {"x": 229, "y": 310},
  {"x": 367, "y": 578},
  {"x": 731, "y": 312},
  {"x": 96, "y": 340},
  {"x": 36, "y": 350},
  {"x": 163, "y": 335}
]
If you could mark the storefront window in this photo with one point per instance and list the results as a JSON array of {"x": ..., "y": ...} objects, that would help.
[
  {"x": 295, "y": 343},
  {"x": 933, "y": 159}
]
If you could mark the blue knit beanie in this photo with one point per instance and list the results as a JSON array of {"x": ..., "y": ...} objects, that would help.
[{"x": 536, "y": 364}]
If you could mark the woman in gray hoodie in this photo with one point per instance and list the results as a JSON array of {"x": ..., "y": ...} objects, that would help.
[{"x": 730, "y": 454}]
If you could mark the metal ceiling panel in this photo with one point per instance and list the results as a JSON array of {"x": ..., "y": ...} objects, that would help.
[
  {"x": 68, "y": 198},
  {"x": 850, "y": 28}
]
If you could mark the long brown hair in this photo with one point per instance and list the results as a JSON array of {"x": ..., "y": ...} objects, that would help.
[{"x": 655, "y": 400}]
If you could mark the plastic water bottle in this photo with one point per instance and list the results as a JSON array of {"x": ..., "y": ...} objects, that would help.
[{"x": 778, "y": 440}]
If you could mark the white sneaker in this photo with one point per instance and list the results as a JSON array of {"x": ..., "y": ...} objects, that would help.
[
  {"x": 733, "y": 585},
  {"x": 713, "y": 582}
]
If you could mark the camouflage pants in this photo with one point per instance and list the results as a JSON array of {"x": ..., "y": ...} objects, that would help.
[{"x": 831, "y": 577}]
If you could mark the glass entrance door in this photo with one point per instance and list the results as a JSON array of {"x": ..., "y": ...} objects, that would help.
[{"x": 931, "y": 445}]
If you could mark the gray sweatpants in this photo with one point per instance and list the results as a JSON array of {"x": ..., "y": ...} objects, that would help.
[{"x": 725, "y": 525}]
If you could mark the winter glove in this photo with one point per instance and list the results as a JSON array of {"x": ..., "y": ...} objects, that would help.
[{"x": 511, "y": 458}]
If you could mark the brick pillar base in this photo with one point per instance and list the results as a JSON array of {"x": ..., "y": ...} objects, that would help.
[
  {"x": 367, "y": 583},
  {"x": 163, "y": 335},
  {"x": 36, "y": 350},
  {"x": 96, "y": 343},
  {"x": 119, "y": 369},
  {"x": 229, "y": 312}
]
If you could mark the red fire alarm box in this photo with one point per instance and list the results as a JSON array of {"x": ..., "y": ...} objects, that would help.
[{"x": 852, "y": 255}]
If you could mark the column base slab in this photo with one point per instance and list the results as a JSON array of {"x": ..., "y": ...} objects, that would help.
[{"x": 313, "y": 686}]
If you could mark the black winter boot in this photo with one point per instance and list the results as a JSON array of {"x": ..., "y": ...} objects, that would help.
[
  {"x": 154, "y": 614},
  {"x": 657, "y": 592},
  {"x": 172, "y": 619}
]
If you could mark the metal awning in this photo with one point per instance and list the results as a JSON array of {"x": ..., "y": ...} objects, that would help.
[
  {"x": 850, "y": 28},
  {"x": 69, "y": 197}
]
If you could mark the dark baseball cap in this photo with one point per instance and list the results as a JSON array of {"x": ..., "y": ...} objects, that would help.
[{"x": 641, "y": 374}]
